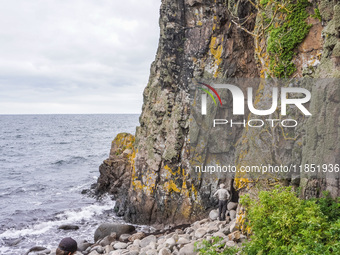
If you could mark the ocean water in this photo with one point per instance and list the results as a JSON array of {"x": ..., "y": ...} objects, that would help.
[{"x": 45, "y": 163}]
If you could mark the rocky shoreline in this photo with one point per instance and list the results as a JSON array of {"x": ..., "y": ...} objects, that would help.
[
  {"x": 180, "y": 241},
  {"x": 123, "y": 239}
]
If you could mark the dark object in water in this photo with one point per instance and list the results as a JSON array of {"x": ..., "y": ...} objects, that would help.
[
  {"x": 36, "y": 248},
  {"x": 68, "y": 227}
]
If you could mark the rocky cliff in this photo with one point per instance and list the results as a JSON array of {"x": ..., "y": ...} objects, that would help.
[{"x": 217, "y": 40}]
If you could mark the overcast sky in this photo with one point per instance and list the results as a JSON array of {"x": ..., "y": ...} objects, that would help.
[{"x": 76, "y": 56}]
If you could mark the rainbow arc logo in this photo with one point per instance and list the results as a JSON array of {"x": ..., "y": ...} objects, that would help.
[{"x": 209, "y": 93}]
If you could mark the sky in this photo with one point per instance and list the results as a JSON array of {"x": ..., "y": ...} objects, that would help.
[{"x": 76, "y": 56}]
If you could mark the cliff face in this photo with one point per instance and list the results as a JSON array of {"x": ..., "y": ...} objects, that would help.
[
  {"x": 197, "y": 40},
  {"x": 200, "y": 40}
]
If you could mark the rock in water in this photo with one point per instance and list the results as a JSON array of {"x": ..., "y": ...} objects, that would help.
[
  {"x": 106, "y": 229},
  {"x": 68, "y": 227}
]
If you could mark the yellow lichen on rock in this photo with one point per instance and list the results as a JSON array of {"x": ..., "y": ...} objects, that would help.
[
  {"x": 170, "y": 186},
  {"x": 241, "y": 222},
  {"x": 216, "y": 49}
]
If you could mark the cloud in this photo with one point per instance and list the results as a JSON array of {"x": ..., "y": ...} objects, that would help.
[{"x": 76, "y": 56}]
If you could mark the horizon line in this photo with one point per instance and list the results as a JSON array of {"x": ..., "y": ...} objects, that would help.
[{"x": 65, "y": 113}]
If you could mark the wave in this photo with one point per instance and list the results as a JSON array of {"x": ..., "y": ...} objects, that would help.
[
  {"x": 72, "y": 216},
  {"x": 29, "y": 188},
  {"x": 71, "y": 160}
]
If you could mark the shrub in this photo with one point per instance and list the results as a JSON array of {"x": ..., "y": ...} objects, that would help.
[
  {"x": 214, "y": 246},
  {"x": 282, "y": 223},
  {"x": 329, "y": 207}
]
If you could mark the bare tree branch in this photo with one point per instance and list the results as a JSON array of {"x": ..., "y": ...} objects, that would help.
[{"x": 244, "y": 29}]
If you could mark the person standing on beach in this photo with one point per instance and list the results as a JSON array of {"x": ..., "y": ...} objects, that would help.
[
  {"x": 223, "y": 197},
  {"x": 67, "y": 246}
]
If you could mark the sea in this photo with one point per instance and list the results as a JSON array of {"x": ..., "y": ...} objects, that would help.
[{"x": 46, "y": 161}]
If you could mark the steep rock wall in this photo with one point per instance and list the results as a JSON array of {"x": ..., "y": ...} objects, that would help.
[{"x": 199, "y": 41}]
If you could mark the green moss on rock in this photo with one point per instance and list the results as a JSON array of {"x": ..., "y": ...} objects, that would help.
[{"x": 284, "y": 38}]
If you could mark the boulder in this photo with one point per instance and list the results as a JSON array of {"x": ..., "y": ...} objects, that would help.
[
  {"x": 136, "y": 242},
  {"x": 124, "y": 237},
  {"x": 145, "y": 241},
  {"x": 97, "y": 248},
  {"x": 106, "y": 229},
  {"x": 199, "y": 233},
  {"x": 232, "y": 214},
  {"x": 212, "y": 228},
  {"x": 170, "y": 243},
  {"x": 188, "y": 249},
  {"x": 183, "y": 240},
  {"x": 234, "y": 236},
  {"x": 152, "y": 245},
  {"x": 164, "y": 251},
  {"x": 133, "y": 247},
  {"x": 100, "y": 250},
  {"x": 232, "y": 206},
  {"x": 120, "y": 245},
  {"x": 151, "y": 252},
  {"x": 83, "y": 245},
  {"x": 108, "y": 239},
  {"x": 213, "y": 215},
  {"x": 108, "y": 249},
  {"x": 220, "y": 234},
  {"x": 139, "y": 235},
  {"x": 161, "y": 240}
]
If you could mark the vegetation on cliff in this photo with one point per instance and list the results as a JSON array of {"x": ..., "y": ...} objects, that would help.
[
  {"x": 281, "y": 26},
  {"x": 281, "y": 223},
  {"x": 284, "y": 37}
]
